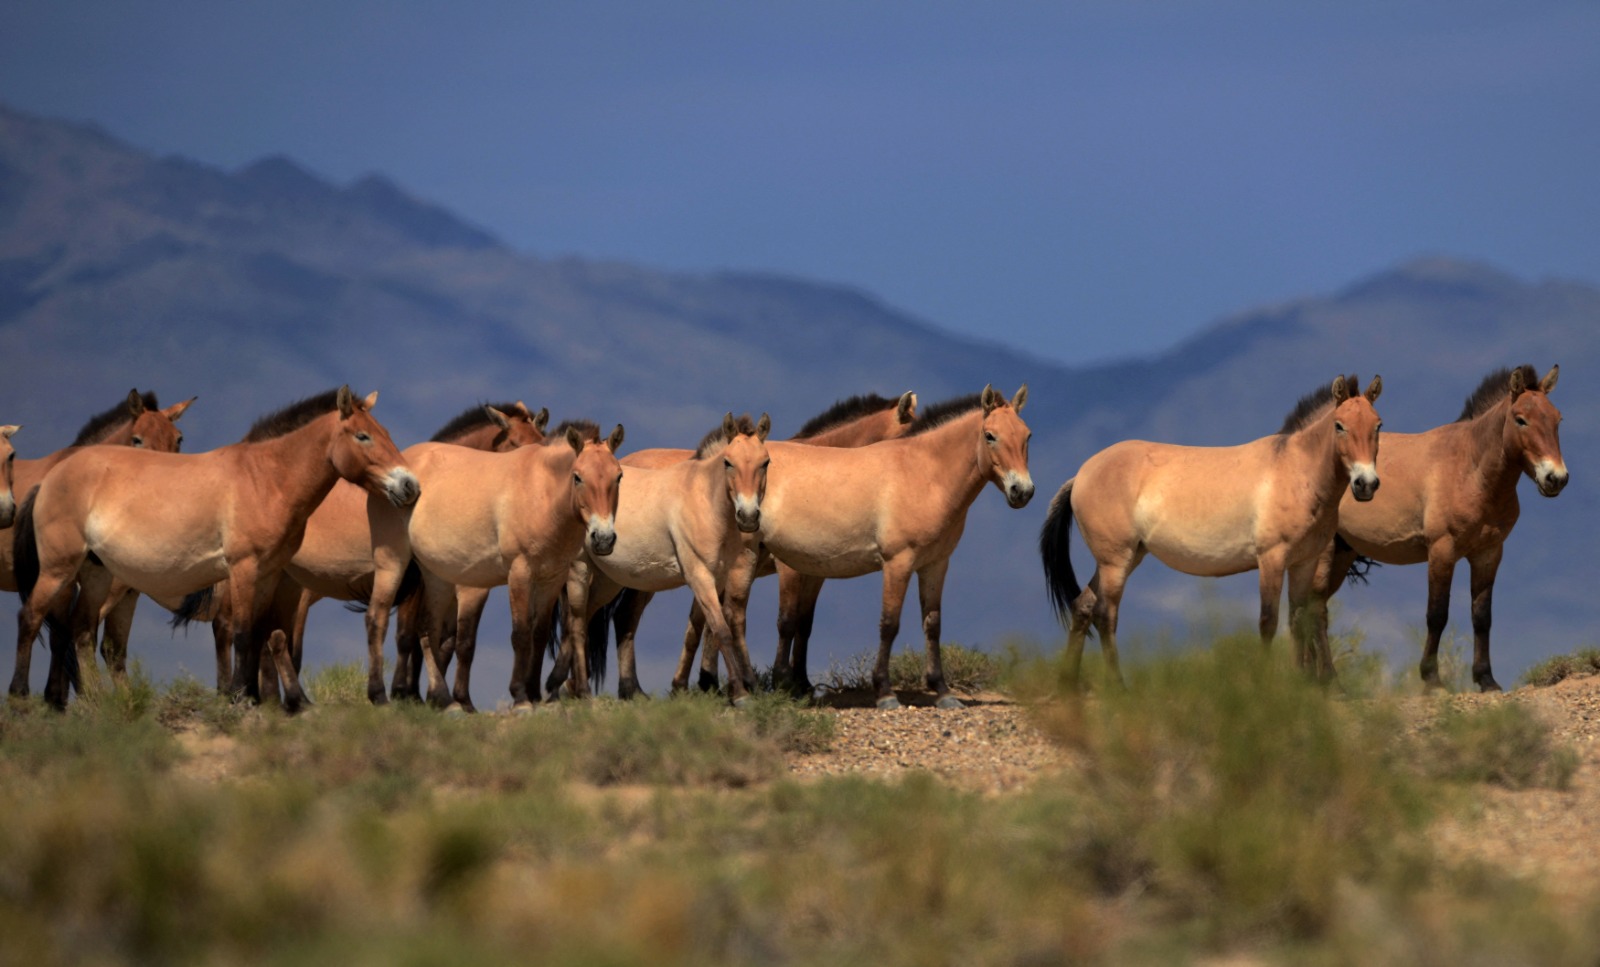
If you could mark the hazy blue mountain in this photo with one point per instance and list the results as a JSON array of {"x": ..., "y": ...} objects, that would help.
[{"x": 256, "y": 287}]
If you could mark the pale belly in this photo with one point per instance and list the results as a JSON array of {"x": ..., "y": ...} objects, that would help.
[{"x": 1204, "y": 546}]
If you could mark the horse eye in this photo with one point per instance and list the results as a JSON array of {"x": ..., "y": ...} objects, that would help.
[
  {"x": 577, "y": 480},
  {"x": 1338, "y": 427},
  {"x": 727, "y": 464},
  {"x": 990, "y": 438},
  {"x": 138, "y": 441},
  {"x": 1521, "y": 421}
]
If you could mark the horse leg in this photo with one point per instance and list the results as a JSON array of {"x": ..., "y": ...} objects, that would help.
[
  {"x": 896, "y": 581},
  {"x": 704, "y": 585},
  {"x": 411, "y": 624},
  {"x": 441, "y": 597},
  {"x": 391, "y": 556},
  {"x": 470, "y": 603},
  {"x": 1484, "y": 568},
  {"x": 244, "y": 609},
  {"x": 116, "y": 620},
  {"x": 930, "y": 593},
  {"x": 524, "y": 666},
  {"x": 1109, "y": 582},
  {"x": 294, "y": 697},
  {"x": 574, "y": 602},
  {"x": 1308, "y": 619},
  {"x": 1441, "y": 571},
  {"x": 1270, "y": 570},
  {"x": 94, "y": 590},
  {"x": 626, "y": 621},
  {"x": 797, "y": 610},
  {"x": 542, "y": 619},
  {"x": 222, "y": 639},
  {"x": 691, "y": 645}
]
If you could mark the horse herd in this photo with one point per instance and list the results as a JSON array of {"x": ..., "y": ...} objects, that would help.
[{"x": 317, "y": 502}]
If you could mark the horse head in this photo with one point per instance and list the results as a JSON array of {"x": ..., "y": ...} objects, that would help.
[
  {"x": 518, "y": 426},
  {"x": 8, "y": 459},
  {"x": 154, "y": 429},
  {"x": 596, "y": 481},
  {"x": 1355, "y": 432},
  {"x": 744, "y": 462},
  {"x": 1004, "y": 452},
  {"x": 1533, "y": 430},
  {"x": 363, "y": 453}
]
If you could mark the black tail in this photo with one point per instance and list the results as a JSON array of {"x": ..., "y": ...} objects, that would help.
[
  {"x": 1361, "y": 569},
  {"x": 25, "y": 566},
  {"x": 1059, "y": 577},
  {"x": 198, "y": 606},
  {"x": 25, "y": 548}
]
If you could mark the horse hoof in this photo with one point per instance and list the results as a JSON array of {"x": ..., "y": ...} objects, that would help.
[
  {"x": 888, "y": 703},
  {"x": 743, "y": 701},
  {"x": 522, "y": 708},
  {"x": 377, "y": 697},
  {"x": 949, "y": 702}
]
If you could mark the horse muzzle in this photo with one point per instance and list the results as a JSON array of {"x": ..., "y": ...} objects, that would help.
[
  {"x": 1550, "y": 479},
  {"x": 1018, "y": 490},
  {"x": 401, "y": 487},
  {"x": 602, "y": 537},
  {"x": 1363, "y": 482},
  {"x": 8, "y": 511},
  {"x": 746, "y": 516}
]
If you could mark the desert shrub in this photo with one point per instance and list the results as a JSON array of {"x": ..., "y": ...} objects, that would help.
[
  {"x": 188, "y": 703},
  {"x": 1584, "y": 661},
  {"x": 966, "y": 670},
  {"x": 1504, "y": 744},
  {"x": 344, "y": 683}
]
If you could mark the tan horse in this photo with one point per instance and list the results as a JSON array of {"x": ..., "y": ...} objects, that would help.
[
  {"x": 680, "y": 525},
  {"x": 486, "y": 519},
  {"x": 854, "y": 422},
  {"x": 139, "y": 422},
  {"x": 170, "y": 525},
  {"x": 899, "y": 507},
  {"x": 335, "y": 557},
  {"x": 1451, "y": 494},
  {"x": 8, "y": 461},
  {"x": 1270, "y": 505}
]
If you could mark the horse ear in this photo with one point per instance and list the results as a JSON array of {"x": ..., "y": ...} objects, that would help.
[
  {"x": 135, "y": 402},
  {"x": 541, "y": 419},
  {"x": 8, "y": 430},
  {"x": 574, "y": 439},
  {"x": 763, "y": 427},
  {"x": 615, "y": 440},
  {"x": 177, "y": 409},
  {"x": 1374, "y": 388},
  {"x": 1518, "y": 382},
  {"x": 1549, "y": 382},
  {"x": 1341, "y": 390},
  {"x": 370, "y": 401},
  {"x": 991, "y": 399},
  {"x": 496, "y": 417},
  {"x": 907, "y": 410},
  {"x": 1018, "y": 401},
  {"x": 730, "y": 429},
  {"x": 347, "y": 403}
]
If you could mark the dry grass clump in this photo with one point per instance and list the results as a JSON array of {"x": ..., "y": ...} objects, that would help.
[
  {"x": 966, "y": 670},
  {"x": 1505, "y": 744},
  {"x": 1584, "y": 661}
]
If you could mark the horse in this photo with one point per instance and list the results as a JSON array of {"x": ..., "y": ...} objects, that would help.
[
  {"x": 8, "y": 459},
  {"x": 1450, "y": 494},
  {"x": 136, "y": 421},
  {"x": 681, "y": 525},
  {"x": 334, "y": 559},
  {"x": 485, "y": 519},
  {"x": 853, "y": 422},
  {"x": 898, "y": 506},
  {"x": 170, "y": 525},
  {"x": 1270, "y": 505}
]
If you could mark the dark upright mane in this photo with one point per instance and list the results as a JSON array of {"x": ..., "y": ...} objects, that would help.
[
  {"x": 292, "y": 417},
  {"x": 713, "y": 442},
  {"x": 469, "y": 420},
  {"x": 941, "y": 413},
  {"x": 845, "y": 411},
  {"x": 1495, "y": 387},
  {"x": 1312, "y": 404},
  {"x": 100, "y": 425},
  {"x": 588, "y": 429}
]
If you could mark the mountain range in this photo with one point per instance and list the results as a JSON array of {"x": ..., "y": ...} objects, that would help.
[{"x": 256, "y": 287}]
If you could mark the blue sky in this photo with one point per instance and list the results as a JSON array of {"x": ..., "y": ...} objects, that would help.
[{"x": 1084, "y": 180}]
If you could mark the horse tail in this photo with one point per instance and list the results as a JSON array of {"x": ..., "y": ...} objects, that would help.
[
  {"x": 1360, "y": 568},
  {"x": 25, "y": 567},
  {"x": 198, "y": 606},
  {"x": 1059, "y": 577},
  {"x": 410, "y": 584},
  {"x": 25, "y": 548},
  {"x": 600, "y": 637}
]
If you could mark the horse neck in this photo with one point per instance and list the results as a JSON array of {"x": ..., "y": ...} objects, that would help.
[
  {"x": 950, "y": 455},
  {"x": 295, "y": 466},
  {"x": 1325, "y": 472},
  {"x": 485, "y": 437},
  {"x": 1486, "y": 454}
]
